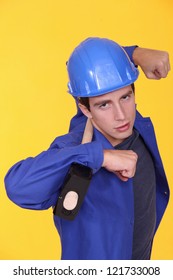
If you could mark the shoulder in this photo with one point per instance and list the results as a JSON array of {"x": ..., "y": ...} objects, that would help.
[{"x": 139, "y": 116}]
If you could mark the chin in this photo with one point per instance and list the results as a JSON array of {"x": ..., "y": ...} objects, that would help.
[{"x": 124, "y": 136}]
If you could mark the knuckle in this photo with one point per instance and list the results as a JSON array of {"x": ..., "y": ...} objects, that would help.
[
  {"x": 166, "y": 55},
  {"x": 149, "y": 75},
  {"x": 161, "y": 62},
  {"x": 135, "y": 155}
]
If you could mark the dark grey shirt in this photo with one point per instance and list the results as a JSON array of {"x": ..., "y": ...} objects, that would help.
[{"x": 144, "y": 185}]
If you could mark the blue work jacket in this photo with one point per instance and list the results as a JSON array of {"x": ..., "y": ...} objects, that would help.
[{"x": 103, "y": 228}]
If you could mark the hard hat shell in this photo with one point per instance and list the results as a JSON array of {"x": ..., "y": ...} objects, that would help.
[{"x": 98, "y": 66}]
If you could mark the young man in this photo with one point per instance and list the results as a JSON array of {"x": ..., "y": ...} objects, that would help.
[{"x": 128, "y": 191}]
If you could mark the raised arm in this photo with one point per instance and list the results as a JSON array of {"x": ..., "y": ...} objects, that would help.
[{"x": 154, "y": 63}]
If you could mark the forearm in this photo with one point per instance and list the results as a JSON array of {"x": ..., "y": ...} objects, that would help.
[
  {"x": 154, "y": 63},
  {"x": 34, "y": 183}
]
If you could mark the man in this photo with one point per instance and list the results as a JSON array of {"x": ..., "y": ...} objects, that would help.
[{"x": 121, "y": 211}]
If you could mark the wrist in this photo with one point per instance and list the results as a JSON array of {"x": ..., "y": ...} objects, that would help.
[
  {"x": 106, "y": 154},
  {"x": 136, "y": 55}
]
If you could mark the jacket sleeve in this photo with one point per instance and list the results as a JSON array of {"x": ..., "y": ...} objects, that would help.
[
  {"x": 33, "y": 183},
  {"x": 129, "y": 51}
]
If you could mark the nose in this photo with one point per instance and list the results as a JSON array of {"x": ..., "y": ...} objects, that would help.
[{"x": 119, "y": 113}]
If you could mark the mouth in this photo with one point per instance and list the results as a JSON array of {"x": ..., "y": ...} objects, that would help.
[{"x": 123, "y": 128}]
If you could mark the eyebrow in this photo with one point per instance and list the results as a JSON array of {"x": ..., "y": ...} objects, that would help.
[{"x": 109, "y": 100}]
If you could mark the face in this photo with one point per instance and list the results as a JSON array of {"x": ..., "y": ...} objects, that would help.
[{"x": 113, "y": 114}]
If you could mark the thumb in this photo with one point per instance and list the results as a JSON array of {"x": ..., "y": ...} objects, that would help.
[
  {"x": 120, "y": 176},
  {"x": 155, "y": 75}
]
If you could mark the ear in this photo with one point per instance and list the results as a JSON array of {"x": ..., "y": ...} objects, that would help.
[{"x": 85, "y": 111}]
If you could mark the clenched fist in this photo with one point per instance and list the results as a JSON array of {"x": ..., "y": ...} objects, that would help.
[
  {"x": 154, "y": 63},
  {"x": 120, "y": 162}
]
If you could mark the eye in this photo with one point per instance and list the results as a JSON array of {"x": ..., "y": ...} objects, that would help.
[
  {"x": 104, "y": 105},
  {"x": 126, "y": 97}
]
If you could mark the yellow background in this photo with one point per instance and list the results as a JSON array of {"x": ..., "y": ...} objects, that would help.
[{"x": 36, "y": 38}]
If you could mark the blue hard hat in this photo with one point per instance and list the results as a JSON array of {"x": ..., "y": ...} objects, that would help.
[{"x": 98, "y": 66}]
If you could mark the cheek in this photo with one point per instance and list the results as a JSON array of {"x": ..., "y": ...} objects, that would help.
[
  {"x": 132, "y": 113},
  {"x": 103, "y": 118},
  {"x": 100, "y": 121},
  {"x": 96, "y": 115},
  {"x": 131, "y": 109}
]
